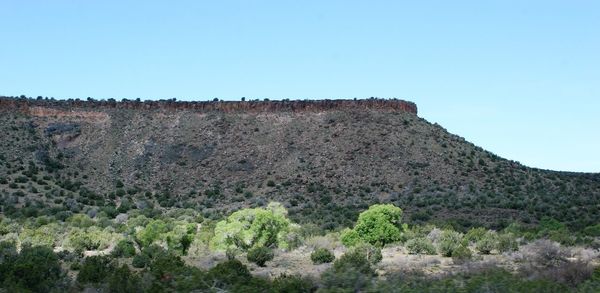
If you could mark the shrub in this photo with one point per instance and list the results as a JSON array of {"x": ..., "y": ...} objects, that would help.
[
  {"x": 545, "y": 253},
  {"x": 461, "y": 254},
  {"x": 507, "y": 243},
  {"x": 487, "y": 243},
  {"x": 140, "y": 260},
  {"x": 151, "y": 232},
  {"x": 322, "y": 255},
  {"x": 449, "y": 242},
  {"x": 293, "y": 284},
  {"x": 593, "y": 231},
  {"x": 45, "y": 235},
  {"x": 350, "y": 237},
  {"x": 80, "y": 221},
  {"x": 95, "y": 269},
  {"x": 379, "y": 225},
  {"x": 420, "y": 245},
  {"x": 474, "y": 235},
  {"x": 249, "y": 228},
  {"x": 571, "y": 273},
  {"x": 124, "y": 248},
  {"x": 260, "y": 255},
  {"x": 89, "y": 239},
  {"x": 166, "y": 265},
  {"x": 123, "y": 281},
  {"x": 353, "y": 260},
  {"x": 180, "y": 237},
  {"x": 352, "y": 272},
  {"x": 370, "y": 252},
  {"x": 229, "y": 273},
  {"x": 34, "y": 269}
]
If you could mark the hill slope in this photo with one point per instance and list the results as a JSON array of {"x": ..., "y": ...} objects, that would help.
[{"x": 326, "y": 160}]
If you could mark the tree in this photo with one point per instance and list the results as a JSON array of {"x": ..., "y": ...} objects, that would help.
[
  {"x": 35, "y": 268},
  {"x": 122, "y": 280},
  {"x": 379, "y": 225},
  {"x": 247, "y": 228},
  {"x": 151, "y": 232},
  {"x": 95, "y": 269}
]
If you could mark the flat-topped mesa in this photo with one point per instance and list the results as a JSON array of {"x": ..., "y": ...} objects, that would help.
[{"x": 28, "y": 105}]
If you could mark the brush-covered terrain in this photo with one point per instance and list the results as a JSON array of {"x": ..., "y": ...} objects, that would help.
[{"x": 265, "y": 196}]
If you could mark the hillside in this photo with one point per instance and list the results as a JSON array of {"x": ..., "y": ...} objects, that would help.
[{"x": 325, "y": 160}]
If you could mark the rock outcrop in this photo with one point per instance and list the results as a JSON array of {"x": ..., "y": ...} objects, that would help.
[{"x": 72, "y": 108}]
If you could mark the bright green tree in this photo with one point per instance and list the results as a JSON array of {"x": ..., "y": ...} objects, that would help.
[
  {"x": 151, "y": 232},
  {"x": 379, "y": 225},
  {"x": 249, "y": 228}
]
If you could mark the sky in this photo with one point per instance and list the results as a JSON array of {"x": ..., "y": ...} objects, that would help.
[{"x": 518, "y": 78}]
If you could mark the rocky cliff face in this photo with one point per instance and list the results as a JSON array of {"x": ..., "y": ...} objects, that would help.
[{"x": 324, "y": 159}]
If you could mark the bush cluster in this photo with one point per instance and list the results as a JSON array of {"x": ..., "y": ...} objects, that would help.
[
  {"x": 260, "y": 255},
  {"x": 322, "y": 255}
]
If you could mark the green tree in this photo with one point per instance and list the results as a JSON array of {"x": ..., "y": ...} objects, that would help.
[
  {"x": 379, "y": 225},
  {"x": 36, "y": 269},
  {"x": 122, "y": 280},
  {"x": 95, "y": 269},
  {"x": 124, "y": 248},
  {"x": 249, "y": 228},
  {"x": 151, "y": 232}
]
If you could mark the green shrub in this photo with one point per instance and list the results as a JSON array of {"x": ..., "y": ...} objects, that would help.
[
  {"x": 461, "y": 254},
  {"x": 80, "y": 221},
  {"x": 293, "y": 284},
  {"x": 34, "y": 269},
  {"x": 140, "y": 260},
  {"x": 124, "y": 248},
  {"x": 487, "y": 280},
  {"x": 95, "y": 269},
  {"x": 353, "y": 260},
  {"x": 46, "y": 235},
  {"x": 166, "y": 265},
  {"x": 229, "y": 273},
  {"x": 352, "y": 272},
  {"x": 487, "y": 243},
  {"x": 379, "y": 225},
  {"x": 249, "y": 228},
  {"x": 507, "y": 243},
  {"x": 322, "y": 255},
  {"x": 370, "y": 252},
  {"x": 122, "y": 280},
  {"x": 593, "y": 231},
  {"x": 350, "y": 237},
  {"x": 449, "y": 241},
  {"x": 180, "y": 237},
  {"x": 420, "y": 245},
  {"x": 153, "y": 230},
  {"x": 89, "y": 239},
  {"x": 260, "y": 255},
  {"x": 474, "y": 235}
]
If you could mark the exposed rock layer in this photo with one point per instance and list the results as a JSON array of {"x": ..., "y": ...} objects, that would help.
[{"x": 42, "y": 107}]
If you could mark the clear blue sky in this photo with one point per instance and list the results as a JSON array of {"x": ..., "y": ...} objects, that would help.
[{"x": 519, "y": 78}]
